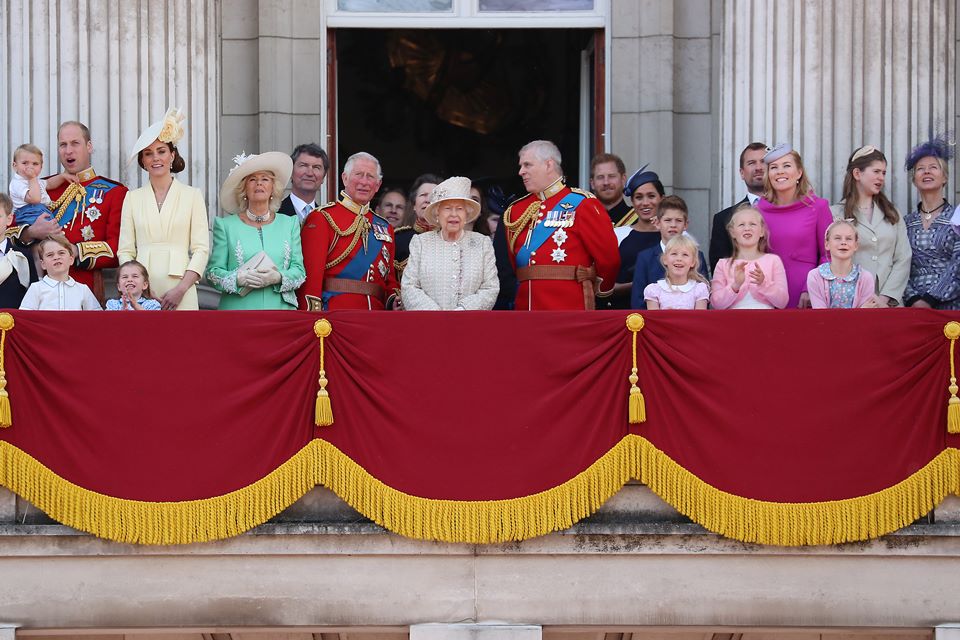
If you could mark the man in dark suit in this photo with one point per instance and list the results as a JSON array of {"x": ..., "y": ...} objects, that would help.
[
  {"x": 752, "y": 172},
  {"x": 310, "y": 166}
]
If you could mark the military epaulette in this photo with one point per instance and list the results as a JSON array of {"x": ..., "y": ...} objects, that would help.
[
  {"x": 382, "y": 219},
  {"x": 103, "y": 183},
  {"x": 582, "y": 192},
  {"x": 509, "y": 207},
  {"x": 405, "y": 227},
  {"x": 328, "y": 205},
  {"x": 14, "y": 232}
]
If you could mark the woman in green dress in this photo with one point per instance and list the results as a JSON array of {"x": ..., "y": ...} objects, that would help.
[{"x": 256, "y": 261}]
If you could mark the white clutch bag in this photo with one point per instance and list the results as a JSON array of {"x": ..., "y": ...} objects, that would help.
[{"x": 259, "y": 261}]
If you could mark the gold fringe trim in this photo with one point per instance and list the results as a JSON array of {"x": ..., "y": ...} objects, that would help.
[
  {"x": 167, "y": 523},
  {"x": 489, "y": 521},
  {"x": 797, "y": 524}
]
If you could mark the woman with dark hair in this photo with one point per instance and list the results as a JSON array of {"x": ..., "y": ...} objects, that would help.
[
  {"x": 415, "y": 222},
  {"x": 482, "y": 224},
  {"x": 797, "y": 220},
  {"x": 935, "y": 267},
  {"x": 645, "y": 192},
  {"x": 884, "y": 249},
  {"x": 164, "y": 223}
]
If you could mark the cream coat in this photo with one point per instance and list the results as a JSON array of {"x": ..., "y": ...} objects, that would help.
[
  {"x": 450, "y": 275},
  {"x": 884, "y": 251},
  {"x": 168, "y": 241}
]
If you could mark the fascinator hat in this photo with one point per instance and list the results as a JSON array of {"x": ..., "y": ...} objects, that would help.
[
  {"x": 936, "y": 147},
  {"x": 777, "y": 152},
  {"x": 275, "y": 162},
  {"x": 169, "y": 129},
  {"x": 455, "y": 188},
  {"x": 639, "y": 178}
]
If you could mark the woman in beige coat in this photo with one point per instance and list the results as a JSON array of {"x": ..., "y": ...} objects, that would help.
[
  {"x": 450, "y": 268},
  {"x": 164, "y": 223},
  {"x": 884, "y": 248}
]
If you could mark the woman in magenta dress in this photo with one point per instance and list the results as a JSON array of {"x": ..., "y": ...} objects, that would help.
[{"x": 796, "y": 218}]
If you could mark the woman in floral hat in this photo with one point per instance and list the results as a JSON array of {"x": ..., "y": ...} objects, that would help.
[{"x": 164, "y": 223}]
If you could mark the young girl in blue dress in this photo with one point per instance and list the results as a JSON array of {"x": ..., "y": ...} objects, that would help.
[
  {"x": 841, "y": 283},
  {"x": 133, "y": 283}
]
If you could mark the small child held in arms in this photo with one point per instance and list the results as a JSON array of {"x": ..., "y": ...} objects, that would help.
[
  {"x": 683, "y": 286},
  {"x": 841, "y": 284},
  {"x": 751, "y": 278},
  {"x": 672, "y": 218},
  {"x": 57, "y": 291},
  {"x": 16, "y": 269},
  {"x": 28, "y": 191},
  {"x": 133, "y": 283}
]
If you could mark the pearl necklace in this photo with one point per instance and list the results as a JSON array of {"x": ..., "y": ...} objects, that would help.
[{"x": 258, "y": 219}]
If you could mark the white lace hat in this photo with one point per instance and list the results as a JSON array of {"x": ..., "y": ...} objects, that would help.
[{"x": 456, "y": 188}]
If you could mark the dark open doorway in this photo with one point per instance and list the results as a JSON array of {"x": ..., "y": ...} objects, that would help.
[{"x": 463, "y": 101}]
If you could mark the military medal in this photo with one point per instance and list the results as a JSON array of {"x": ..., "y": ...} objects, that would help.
[
  {"x": 381, "y": 233},
  {"x": 559, "y": 237},
  {"x": 92, "y": 213},
  {"x": 558, "y": 255},
  {"x": 87, "y": 232},
  {"x": 97, "y": 197}
]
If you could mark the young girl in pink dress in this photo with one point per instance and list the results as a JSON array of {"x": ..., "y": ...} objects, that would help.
[
  {"x": 752, "y": 278},
  {"x": 841, "y": 283},
  {"x": 682, "y": 286}
]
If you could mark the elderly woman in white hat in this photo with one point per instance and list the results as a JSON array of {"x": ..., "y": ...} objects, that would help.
[
  {"x": 450, "y": 268},
  {"x": 257, "y": 262},
  {"x": 164, "y": 223}
]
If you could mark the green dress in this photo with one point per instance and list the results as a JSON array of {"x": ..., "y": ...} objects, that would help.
[{"x": 235, "y": 242}]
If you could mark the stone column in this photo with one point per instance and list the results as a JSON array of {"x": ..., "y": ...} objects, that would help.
[
  {"x": 474, "y": 632},
  {"x": 829, "y": 76}
]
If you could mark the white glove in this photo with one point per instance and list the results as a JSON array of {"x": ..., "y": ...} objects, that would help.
[
  {"x": 249, "y": 278},
  {"x": 269, "y": 276}
]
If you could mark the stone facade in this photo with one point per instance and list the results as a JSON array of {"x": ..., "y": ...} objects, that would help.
[{"x": 679, "y": 98}]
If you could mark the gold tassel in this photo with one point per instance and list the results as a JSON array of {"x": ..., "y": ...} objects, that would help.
[
  {"x": 6, "y": 419},
  {"x": 637, "y": 405},
  {"x": 952, "y": 332},
  {"x": 324, "y": 411}
]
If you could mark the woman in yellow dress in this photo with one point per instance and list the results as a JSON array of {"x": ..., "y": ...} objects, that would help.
[{"x": 164, "y": 223}]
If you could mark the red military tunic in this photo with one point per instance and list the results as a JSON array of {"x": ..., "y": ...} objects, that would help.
[
  {"x": 89, "y": 214},
  {"x": 586, "y": 240},
  {"x": 338, "y": 242}
]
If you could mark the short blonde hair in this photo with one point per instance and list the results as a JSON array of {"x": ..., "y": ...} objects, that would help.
[
  {"x": 682, "y": 241},
  {"x": 29, "y": 148}
]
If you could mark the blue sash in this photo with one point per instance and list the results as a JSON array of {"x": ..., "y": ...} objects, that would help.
[
  {"x": 357, "y": 267},
  {"x": 544, "y": 229},
  {"x": 95, "y": 190}
]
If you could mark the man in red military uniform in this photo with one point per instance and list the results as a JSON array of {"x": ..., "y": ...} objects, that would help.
[
  {"x": 86, "y": 209},
  {"x": 561, "y": 240},
  {"x": 347, "y": 249}
]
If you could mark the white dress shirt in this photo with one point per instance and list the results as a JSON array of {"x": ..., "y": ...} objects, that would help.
[
  {"x": 52, "y": 295},
  {"x": 302, "y": 208}
]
